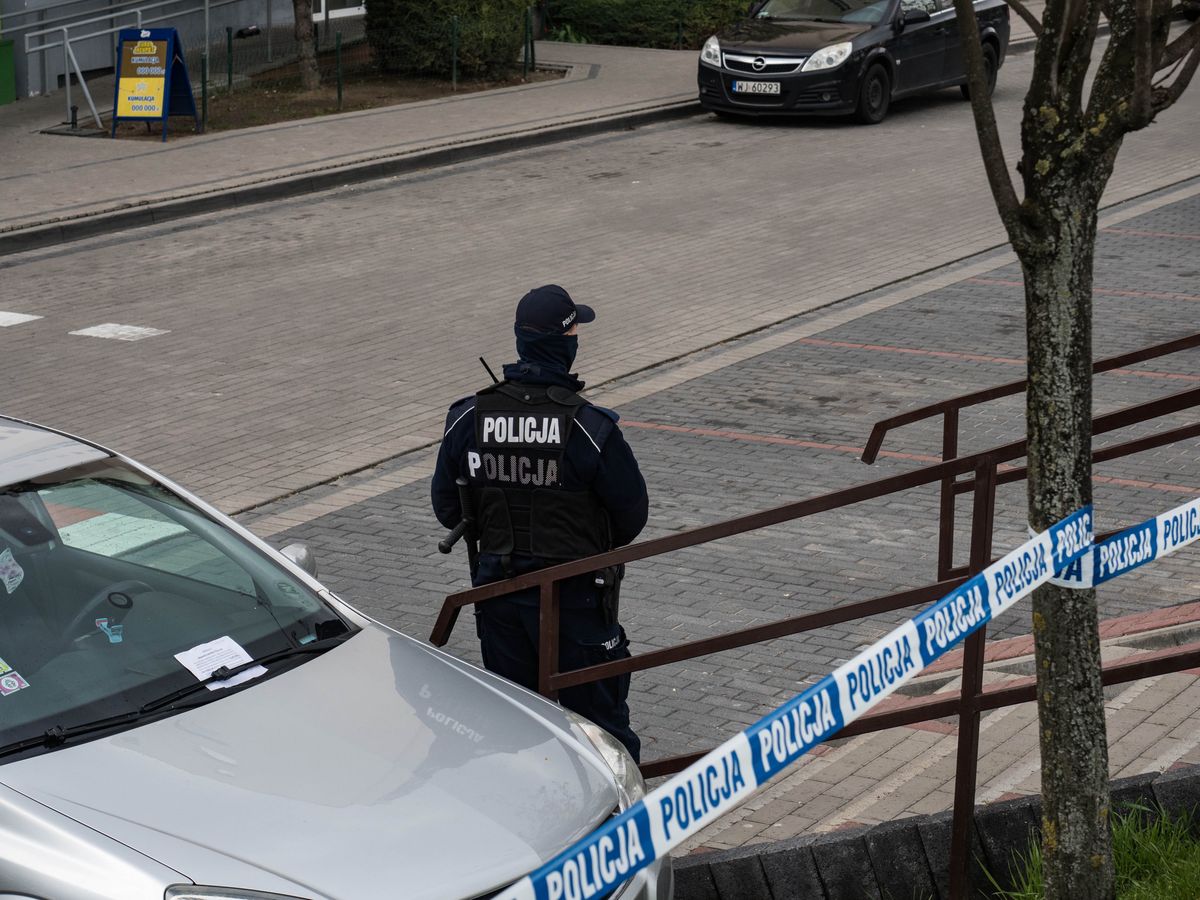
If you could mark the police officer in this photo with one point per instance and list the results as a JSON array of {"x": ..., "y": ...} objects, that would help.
[{"x": 552, "y": 479}]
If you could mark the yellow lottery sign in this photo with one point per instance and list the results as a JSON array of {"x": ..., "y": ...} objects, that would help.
[
  {"x": 152, "y": 79},
  {"x": 141, "y": 89}
]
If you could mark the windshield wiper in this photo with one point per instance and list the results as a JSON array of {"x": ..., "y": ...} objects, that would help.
[
  {"x": 225, "y": 672},
  {"x": 58, "y": 735}
]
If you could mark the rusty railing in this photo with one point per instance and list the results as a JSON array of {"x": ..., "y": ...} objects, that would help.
[{"x": 984, "y": 472}]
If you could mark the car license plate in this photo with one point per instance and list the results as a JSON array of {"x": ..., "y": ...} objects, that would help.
[{"x": 756, "y": 87}]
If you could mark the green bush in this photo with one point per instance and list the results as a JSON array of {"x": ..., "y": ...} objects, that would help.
[
  {"x": 416, "y": 37},
  {"x": 645, "y": 23}
]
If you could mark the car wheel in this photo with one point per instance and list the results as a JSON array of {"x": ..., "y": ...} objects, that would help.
[
  {"x": 874, "y": 96},
  {"x": 990, "y": 65}
]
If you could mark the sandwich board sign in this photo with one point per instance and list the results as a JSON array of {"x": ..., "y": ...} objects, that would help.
[{"x": 152, "y": 78}]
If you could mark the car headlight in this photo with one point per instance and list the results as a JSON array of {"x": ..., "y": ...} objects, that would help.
[
  {"x": 828, "y": 57},
  {"x": 201, "y": 892},
  {"x": 711, "y": 52},
  {"x": 631, "y": 787}
]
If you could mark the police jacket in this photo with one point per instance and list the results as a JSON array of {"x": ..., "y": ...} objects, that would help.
[{"x": 554, "y": 464}]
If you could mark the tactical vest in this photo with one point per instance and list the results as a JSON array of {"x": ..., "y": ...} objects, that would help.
[{"x": 521, "y": 507}]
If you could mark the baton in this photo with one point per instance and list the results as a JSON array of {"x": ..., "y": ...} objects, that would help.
[
  {"x": 446, "y": 544},
  {"x": 465, "y": 528}
]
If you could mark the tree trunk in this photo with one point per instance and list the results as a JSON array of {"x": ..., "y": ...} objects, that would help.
[
  {"x": 310, "y": 75},
  {"x": 1057, "y": 263}
]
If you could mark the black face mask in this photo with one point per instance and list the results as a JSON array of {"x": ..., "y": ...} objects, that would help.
[
  {"x": 545, "y": 359},
  {"x": 553, "y": 352}
]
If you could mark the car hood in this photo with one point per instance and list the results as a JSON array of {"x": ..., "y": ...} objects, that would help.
[
  {"x": 381, "y": 763},
  {"x": 782, "y": 38}
]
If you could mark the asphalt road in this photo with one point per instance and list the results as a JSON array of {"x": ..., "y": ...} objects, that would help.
[{"x": 304, "y": 339}]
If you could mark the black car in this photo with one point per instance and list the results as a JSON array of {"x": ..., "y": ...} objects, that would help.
[{"x": 837, "y": 57}]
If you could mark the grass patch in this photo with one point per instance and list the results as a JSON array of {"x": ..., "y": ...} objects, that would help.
[{"x": 1156, "y": 858}]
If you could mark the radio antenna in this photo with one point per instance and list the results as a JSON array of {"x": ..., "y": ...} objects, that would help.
[{"x": 489, "y": 370}]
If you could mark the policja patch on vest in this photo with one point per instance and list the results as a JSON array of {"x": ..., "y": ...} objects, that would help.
[
  {"x": 545, "y": 431},
  {"x": 522, "y": 432}
]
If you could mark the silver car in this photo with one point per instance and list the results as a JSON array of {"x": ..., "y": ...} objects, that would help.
[{"x": 187, "y": 714}]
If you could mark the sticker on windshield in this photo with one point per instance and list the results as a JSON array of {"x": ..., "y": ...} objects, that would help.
[
  {"x": 11, "y": 683},
  {"x": 115, "y": 632},
  {"x": 10, "y": 573},
  {"x": 5, "y": 668}
]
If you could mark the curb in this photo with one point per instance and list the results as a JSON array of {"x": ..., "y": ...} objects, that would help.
[
  {"x": 42, "y": 236},
  {"x": 908, "y": 857}
]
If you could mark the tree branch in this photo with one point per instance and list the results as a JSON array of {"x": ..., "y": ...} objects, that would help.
[
  {"x": 1034, "y": 23},
  {"x": 1072, "y": 26},
  {"x": 1143, "y": 68},
  {"x": 990, "y": 148},
  {"x": 1062, "y": 45},
  {"x": 1165, "y": 97},
  {"x": 1181, "y": 46}
]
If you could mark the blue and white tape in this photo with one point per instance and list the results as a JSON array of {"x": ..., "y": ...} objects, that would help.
[
  {"x": 1150, "y": 540},
  {"x": 722, "y": 779}
]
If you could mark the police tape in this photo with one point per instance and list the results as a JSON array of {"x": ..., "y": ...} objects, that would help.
[
  {"x": 1152, "y": 539},
  {"x": 723, "y": 778}
]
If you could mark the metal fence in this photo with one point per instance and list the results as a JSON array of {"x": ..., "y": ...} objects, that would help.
[
  {"x": 668, "y": 24},
  {"x": 65, "y": 46},
  {"x": 231, "y": 45}
]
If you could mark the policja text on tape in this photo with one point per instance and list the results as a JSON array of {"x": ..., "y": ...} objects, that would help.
[
  {"x": 722, "y": 779},
  {"x": 1123, "y": 552}
]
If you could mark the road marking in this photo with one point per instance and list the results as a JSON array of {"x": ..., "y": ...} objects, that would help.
[
  {"x": 976, "y": 357},
  {"x": 120, "y": 332},
  {"x": 8, "y": 319},
  {"x": 1108, "y": 292},
  {"x": 273, "y": 524},
  {"x": 774, "y": 439},
  {"x": 914, "y": 351},
  {"x": 1161, "y": 234}
]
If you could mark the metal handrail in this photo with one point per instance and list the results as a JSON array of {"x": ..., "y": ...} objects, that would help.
[
  {"x": 973, "y": 698},
  {"x": 138, "y": 22},
  {"x": 43, "y": 9},
  {"x": 883, "y": 426},
  {"x": 949, "y": 410},
  {"x": 930, "y": 474},
  {"x": 63, "y": 30}
]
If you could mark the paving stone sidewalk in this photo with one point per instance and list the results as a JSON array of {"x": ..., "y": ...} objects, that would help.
[
  {"x": 51, "y": 178},
  {"x": 783, "y": 416}
]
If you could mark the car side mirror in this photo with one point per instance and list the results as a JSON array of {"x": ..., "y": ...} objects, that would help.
[
  {"x": 301, "y": 555},
  {"x": 911, "y": 17}
]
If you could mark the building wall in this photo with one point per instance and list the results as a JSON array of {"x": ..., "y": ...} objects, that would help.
[{"x": 41, "y": 72}]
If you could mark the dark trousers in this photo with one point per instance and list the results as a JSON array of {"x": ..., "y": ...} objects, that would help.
[{"x": 508, "y": 637}]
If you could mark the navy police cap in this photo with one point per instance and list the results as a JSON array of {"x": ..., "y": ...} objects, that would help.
[{"x": 549, "y": 309}]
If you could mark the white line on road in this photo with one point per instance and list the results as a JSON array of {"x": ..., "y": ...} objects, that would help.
[
  {"x": 10, "y": 318},
  {"x": 120, "y": 332}
]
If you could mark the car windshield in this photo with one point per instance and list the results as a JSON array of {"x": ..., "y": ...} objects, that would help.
[
  {"x": 861, "y": 11},
  {"x": 111, "y": 586}
]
